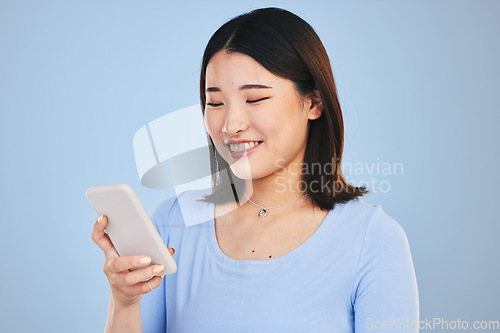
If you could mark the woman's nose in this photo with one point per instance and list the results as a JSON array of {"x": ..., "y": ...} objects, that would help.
[{"x": 236, "y": 120}]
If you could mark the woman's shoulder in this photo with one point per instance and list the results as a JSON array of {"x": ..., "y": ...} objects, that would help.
[
  {"x": 372, "y": 220},
  {"x": 183, "y": 208}
]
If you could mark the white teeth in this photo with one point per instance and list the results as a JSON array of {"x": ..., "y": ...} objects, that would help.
[{"x": 243, "y": 146}]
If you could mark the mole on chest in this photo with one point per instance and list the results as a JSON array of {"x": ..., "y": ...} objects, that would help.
[{"x": 258, "y": 249}]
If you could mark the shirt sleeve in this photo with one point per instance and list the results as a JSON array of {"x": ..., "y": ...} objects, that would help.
[
  {"x": 385, "y": 294},
  {"x": 153, "y": 303}
]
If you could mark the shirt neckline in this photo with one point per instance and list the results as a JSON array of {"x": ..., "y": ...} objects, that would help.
[{"x": 327, "y": 223}]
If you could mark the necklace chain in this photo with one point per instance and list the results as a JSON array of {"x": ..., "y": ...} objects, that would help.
[{"x": 263, "y": 212}]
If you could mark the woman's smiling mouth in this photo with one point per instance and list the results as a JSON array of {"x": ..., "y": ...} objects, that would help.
[{"x": 237, "y": 150}]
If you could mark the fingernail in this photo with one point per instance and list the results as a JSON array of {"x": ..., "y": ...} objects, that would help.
[
  {"x": 99, "y": 219},
  {"x": 158, "y": 269},
  {"x": 145, "y": 260}
]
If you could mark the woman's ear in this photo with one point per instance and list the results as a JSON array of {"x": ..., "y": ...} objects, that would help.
[{"x": 316, "y": 107}]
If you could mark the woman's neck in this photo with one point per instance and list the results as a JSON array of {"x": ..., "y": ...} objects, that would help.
[{"x": 276, "y": 189}]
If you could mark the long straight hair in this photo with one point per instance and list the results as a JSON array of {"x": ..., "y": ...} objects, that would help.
[{"x": 288, "y": 47}]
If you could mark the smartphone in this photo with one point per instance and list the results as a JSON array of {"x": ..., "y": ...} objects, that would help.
[{"x": 129, "y": 226}]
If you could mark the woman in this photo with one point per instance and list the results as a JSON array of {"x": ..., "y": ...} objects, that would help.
[{"x": 281, "y": 242}]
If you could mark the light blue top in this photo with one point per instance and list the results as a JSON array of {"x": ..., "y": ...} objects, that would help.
[{"x": 354, "y": 274}]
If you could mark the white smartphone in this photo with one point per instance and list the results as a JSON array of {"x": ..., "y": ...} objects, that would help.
[{"x": 129, "y": 226}]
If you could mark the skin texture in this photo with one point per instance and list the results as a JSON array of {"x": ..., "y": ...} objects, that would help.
[{"x": 279, "y": 117}]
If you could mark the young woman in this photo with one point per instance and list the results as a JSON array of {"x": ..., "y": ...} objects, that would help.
[{"x": 281, "y": 242}]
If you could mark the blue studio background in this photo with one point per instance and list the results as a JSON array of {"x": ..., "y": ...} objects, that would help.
[{"x": 417, "y": 82}]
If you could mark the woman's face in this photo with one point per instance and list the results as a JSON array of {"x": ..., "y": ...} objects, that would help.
[{"x": 247, "y": 105}]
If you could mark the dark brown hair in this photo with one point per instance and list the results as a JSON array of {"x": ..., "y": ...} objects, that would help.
[{"x": 288, "y": 47}]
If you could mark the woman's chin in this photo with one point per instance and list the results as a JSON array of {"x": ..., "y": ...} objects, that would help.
[{"x": 241, "y": 171}]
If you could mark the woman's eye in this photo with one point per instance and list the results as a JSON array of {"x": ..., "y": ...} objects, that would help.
[
  {"x": 257, "y": 100},
  {"x": 214, "y": 104}
]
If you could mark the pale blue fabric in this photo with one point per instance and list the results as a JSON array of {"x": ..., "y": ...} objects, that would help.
[{"x": 354, "y": 274}]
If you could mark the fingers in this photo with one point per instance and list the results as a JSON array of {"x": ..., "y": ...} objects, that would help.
[
  {"x": 127, "y": 285},
  {"x": 130, "y": 284},
  {"x": 126, "y": 279},
  {"x": 122, "y": 264},
  {"x": 102, "y": 239},
  {"x": 154, "y": 282},
  {"x": 143, "y": 287},
  {"x": 116, "y": 265}
]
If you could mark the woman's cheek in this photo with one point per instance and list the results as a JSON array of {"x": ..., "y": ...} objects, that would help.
[{"x": 210, "y": 124}]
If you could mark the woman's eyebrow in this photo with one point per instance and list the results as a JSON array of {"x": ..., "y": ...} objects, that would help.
[
  {"x": 246, "y": 86},
  {"x": 254, "y": 86}
]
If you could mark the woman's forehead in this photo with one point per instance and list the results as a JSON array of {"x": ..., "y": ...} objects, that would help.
[
  {"x": 234, "y": 62},
  {"x": 238, "y": 71}
]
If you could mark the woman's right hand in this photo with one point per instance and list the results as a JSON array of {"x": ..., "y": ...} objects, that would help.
[{"x": 127, "y": 287}]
